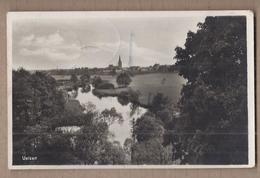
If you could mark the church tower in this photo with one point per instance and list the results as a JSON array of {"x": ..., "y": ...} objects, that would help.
[{"x": 119, "y": 62}]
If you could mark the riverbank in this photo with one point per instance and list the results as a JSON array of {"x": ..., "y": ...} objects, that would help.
[
  {"x": 127, "y": 95},
  {"x": 110, "y": 92}
]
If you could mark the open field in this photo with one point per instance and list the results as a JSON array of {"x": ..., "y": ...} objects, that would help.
[
  {"x": 170, "y": 84},
  {"x": 148, "y": 85}
]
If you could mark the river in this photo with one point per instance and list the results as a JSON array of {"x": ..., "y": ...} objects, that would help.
[
  {"x": 120, "y": 131},
  {"x": 169, "y": 84}
]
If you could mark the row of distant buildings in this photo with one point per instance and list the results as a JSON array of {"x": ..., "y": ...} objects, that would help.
[
  {"x": 112, "y": 70},
  {"x": 115, "y": 69}
]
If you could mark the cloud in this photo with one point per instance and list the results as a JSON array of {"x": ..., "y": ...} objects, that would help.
[
  {"x": 49, "y": 53},
  {"x": 27, "y": 40},
  {"x": 55, "y": 47},
  {"x": 52, "y": 46},
  {"x": 41, "y": 41}
]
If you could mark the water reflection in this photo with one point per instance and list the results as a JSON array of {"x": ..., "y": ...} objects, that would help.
[{"x": 121, "y": 131}]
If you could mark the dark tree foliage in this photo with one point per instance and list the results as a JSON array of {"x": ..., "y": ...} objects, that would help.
[
  {"x": 213, "y": 122},
  {"x": 75, "y": 82},
  {"x": 147, "y": 127},
  {"x": 123, "y": 79},
  {"x": 92, "y": 145},
  {"x": 91, "y": 138},
  {"x": 35, "y": 99},
  {"x": 148, "y": 148},
  {"x": 85, "y": 78},
  {"x": 151, "y": 152},
  {"x": 55, "y": 149},
  {"x": 111, "y": 116},
  {"x": 148, "y": 133},
  {"x": 74, "y": 78},
  {"x": 40, "y": 109},
  {"x": 105, "y": 86},
  {"x": 159, "y": 102},
  {"x": 35, "y": 102},
  {"x": 84, "y": 82},
  {"x": 112, "y": 154},
  {"x": 96, "y": 81},
  {"x": 123, "y": 100}
]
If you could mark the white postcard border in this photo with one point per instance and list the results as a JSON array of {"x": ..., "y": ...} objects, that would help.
[{"x": 121, "y": 14}]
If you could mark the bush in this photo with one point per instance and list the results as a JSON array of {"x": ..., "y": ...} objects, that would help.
[
  {"x": 123, "y": 79},
  {"x": 105, "y": 86},
  {"x": 96, "y": 81}
]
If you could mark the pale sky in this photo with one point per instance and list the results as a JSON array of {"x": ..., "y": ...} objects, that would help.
[{"x": 50, "y": 43}]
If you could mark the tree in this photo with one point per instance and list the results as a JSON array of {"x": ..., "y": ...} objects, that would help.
[
  {"x": 35, "y": 98},
  {"x": 74, "y": 78},
  {"x": 96, "y": 81},
  {"x": 54, "y": 149},
  {"x": 151, "y": 152},
  {"x": 110, "y": 116},
  {"x": 123, "y": 79},
  {"x": 36, "y": 102},
  {"x": 22, "y": 99},
  {"x": 89, "y": 140},
  {"x": 123, "y": 100},
  {"x": 112, "y": 154},
  {"x": 74, "y": 81},
  {"x": 159, "y": 103},
  {"x": 38, "y": 113},
  {"x": 214, "y": 100},
  {"x": 147, "y": 127},
  {"x": 105, "y": 86},
  {"x": 85, "y": 80},
  {"x": 128, "y": 146},
  {"x": 93, "y": 147}
]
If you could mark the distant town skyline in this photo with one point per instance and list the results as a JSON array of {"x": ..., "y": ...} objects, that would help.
[{"x": 51, "y": 43}]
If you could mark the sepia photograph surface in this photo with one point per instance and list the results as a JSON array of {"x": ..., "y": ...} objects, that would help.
[{"x": 131, "y": 89}]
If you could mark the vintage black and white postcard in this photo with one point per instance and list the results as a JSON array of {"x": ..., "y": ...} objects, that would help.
[{"x": 172, "y": 89}]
